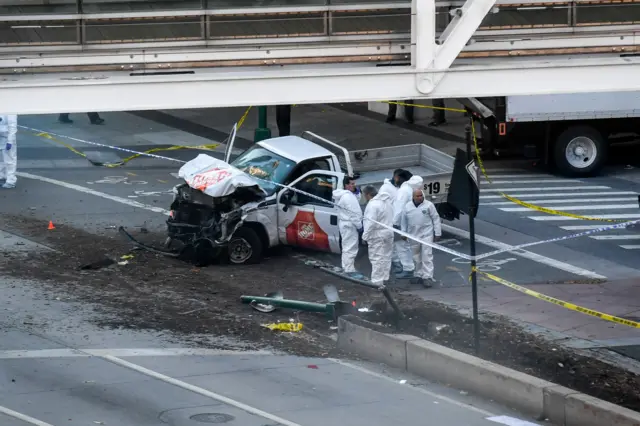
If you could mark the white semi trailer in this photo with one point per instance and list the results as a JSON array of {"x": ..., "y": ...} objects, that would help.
[{"x": 572, "y": 132}]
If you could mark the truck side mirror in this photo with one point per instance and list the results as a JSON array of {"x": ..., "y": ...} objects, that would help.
[{"x": 285, "y": 199}]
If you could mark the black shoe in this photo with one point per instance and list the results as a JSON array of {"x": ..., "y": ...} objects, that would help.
[
  {"x": 390, "y": 120},
  {"x": 65, "y": 120},
  {"x": 435, "y": 123},
  {"x": 98, "y": 121}
]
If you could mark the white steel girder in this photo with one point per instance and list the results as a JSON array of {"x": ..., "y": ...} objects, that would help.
[
  {"x": 39, "y": 94},
  {"x": 434, "y": 73}
]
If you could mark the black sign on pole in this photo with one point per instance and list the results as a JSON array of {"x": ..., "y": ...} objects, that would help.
[
  {"x": 464, "y": 194},
  {"x": 463, "y": 191}
]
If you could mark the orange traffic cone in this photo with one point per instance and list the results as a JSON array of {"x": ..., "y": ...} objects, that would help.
[{"x": 51, "y": 225}]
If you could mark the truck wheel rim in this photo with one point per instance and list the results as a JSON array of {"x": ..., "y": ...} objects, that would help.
[
  {"x": 239, "y": 250},
  {"x": 581, "y": 152}
]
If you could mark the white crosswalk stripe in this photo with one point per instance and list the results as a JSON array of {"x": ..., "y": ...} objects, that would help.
[
  {"x": 576, "y": 196},
  {"x": 525, "y": 197},
  {"x": 563, "y": 201}
]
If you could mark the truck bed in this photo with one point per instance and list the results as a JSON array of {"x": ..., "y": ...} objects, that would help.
[{"x": 373, "y": 166}]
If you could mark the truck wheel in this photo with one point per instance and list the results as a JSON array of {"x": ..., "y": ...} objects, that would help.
[
  {"x": 580, "y": 151},
  {"x": 245, "y": 247}
]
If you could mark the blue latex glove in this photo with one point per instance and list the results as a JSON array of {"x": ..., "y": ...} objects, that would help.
[{"x": 8, "y": 147}]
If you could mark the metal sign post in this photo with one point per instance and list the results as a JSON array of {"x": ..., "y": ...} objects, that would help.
[{"x": 473, "y": 174}]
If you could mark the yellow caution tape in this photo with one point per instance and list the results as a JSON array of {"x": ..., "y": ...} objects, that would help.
[
  {"x": 559, "y": 302},
  {"x": 151, "y": 151},
  {"x": 126, "y": 160},
  {"x": 244, "y": 117},
  {"x": 423, "y": 106},
  {"x": 66, "y": 145},
  {"x": 524, "y": 203},
  {"x": 284, "y": 326}
]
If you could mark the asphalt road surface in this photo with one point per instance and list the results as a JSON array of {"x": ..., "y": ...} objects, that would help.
[{"x": 76, "y": 374}]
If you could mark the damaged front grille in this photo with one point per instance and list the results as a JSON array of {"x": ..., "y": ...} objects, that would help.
[{"x": 197, "y": 216}]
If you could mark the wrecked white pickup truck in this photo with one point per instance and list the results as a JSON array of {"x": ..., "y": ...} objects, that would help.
[{"x": 237, "y": 210}]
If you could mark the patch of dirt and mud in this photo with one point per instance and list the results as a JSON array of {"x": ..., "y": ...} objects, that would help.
[{"x": 153, "y": 292}]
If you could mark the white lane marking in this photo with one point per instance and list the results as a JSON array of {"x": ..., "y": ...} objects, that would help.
[
  {"x": 122, "y": 352},
  {"x": 544, "y": 188},
  {"x": 580, "y": 227},
  {"x": 175, "y": 175},
  {"x": 417, "y": 389},
  {"x": 577, "y": 208},
  {"x": 524, "y": 253},
  {"x": 615, "y": 237},
  {"x": 198, "y": 390},
  {"x": 602, "y": 216},
  {"x": 23, "y": 417},
  {"x": 96, "y": 193},
  {"x": 538, "y": 181},
  {"x": 564, "y": 201},
  {"x": 575, "y": 193},
  {"x": 511, "y": 421},
  {"x": 630, "y": 246}
]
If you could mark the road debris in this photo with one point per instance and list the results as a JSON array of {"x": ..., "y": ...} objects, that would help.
[
  {"x": 98, "y": 264},
  {"x": 284, "y": 326}
]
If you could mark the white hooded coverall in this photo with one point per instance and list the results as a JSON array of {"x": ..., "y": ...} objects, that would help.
[
  {"x": 421, "y": 222},
  {"x": 349, "y": 223},
  {"x": 391, "y": 189},
  {"x": 404, "y": 195},
  {"x": 9, "y": 156},
  {"x": 378, "y": 238}
]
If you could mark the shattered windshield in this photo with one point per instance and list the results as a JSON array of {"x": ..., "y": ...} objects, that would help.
[{"x": 264, "y": 164}]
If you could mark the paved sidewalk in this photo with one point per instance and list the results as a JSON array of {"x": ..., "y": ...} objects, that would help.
[
  {"x": 340, "y": 124},
  {"x": 618, "y": 298}
]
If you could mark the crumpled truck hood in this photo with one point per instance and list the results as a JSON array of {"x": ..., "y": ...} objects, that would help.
[{"x": 217, "y": 178}]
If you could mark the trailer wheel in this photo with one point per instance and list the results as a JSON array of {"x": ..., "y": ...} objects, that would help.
[
  {"x": 580, "y": 151},
  {"x": 245, "y": 247}
]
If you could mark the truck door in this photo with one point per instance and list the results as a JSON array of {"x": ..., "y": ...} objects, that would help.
[{"x": 309, "y": 222}]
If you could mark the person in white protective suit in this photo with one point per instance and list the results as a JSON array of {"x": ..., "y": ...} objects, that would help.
[
  {"x": 9, "y": 156},
  {"x": 350, "y": 224},
  {"x": 405, "y": 194},
  {"x": 390, "y": 186},
  {"x": 378, "y": 238},
  {"x": 421, "y": 220}
]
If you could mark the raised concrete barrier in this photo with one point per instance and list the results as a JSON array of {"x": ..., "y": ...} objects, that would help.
[{"x": 539, "y": 398}]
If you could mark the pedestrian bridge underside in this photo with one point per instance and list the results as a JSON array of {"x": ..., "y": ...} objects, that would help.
[{"x": 81, "y": 55}]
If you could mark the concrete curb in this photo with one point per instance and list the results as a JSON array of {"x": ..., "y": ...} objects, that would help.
[{"x": 537, "y": 397}]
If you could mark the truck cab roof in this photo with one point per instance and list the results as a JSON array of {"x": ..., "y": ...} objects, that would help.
[{"x": 295, "y": 148}]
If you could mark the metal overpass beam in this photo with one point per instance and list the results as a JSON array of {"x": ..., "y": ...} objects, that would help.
[
  {"x": 68, "y": 92},
  {"x": 464, "y": 24}
]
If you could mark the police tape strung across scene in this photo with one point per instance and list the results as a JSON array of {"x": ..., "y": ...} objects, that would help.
[
  {"x": 567, "y": 305},
  {"x": 408, "y": 236}
]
